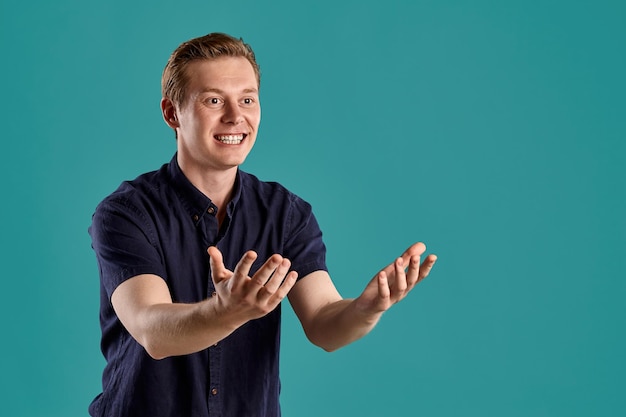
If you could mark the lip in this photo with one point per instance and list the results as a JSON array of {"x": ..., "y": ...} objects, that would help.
[
  {"x": 231, "y": 134},
  {"x": 230, "y": 138}
]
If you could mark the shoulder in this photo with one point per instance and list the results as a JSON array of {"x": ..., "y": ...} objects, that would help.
[
  {"x": 138, "y": 192},
  {"x": 133, "y": 205},
  {"x": 277, "y": 205},
  {"x": 269, "y": 190}
]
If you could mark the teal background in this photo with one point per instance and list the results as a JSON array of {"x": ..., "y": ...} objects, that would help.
[{"x": 494, "y": 131}]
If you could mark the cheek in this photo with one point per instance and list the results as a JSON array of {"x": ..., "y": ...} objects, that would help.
[
  {"x": 203, "y": 121},
  {"x": 255, "y": 119}
]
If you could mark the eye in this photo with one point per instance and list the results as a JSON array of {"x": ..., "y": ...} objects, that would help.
[
  {"x": 213, "y": 101},
  {"x": 248, "y": 101}
]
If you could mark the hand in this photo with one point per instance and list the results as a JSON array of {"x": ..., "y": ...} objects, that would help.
[
  {"x": 246, "y": 298},
  {"x": 395, "y": 281}
]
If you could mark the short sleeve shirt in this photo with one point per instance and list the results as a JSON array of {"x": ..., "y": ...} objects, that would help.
[{"x": 161, "y": 224}]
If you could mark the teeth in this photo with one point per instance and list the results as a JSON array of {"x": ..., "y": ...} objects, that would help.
[{"x": 230, "y": 139}]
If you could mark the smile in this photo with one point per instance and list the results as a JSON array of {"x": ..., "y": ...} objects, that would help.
[{"x": 231, "y": 139}]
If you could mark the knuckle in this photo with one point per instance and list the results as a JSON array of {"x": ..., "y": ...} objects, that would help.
[
  {"x": 264, "y": 309},
  {"x": 258, "y": 281}
]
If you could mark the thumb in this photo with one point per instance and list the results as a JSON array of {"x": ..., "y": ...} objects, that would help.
[{"x": 216, "y": 263}]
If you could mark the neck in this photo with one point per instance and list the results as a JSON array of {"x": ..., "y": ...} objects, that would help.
[{"x": 217, "y": 185}]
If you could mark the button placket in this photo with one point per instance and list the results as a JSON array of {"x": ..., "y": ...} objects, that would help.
[{"x": 215, "y": 358}]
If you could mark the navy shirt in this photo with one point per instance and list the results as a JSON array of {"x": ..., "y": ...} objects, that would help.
[{"x": 161, "y": 224}]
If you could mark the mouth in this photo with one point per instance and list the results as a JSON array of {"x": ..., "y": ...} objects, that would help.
[{"x": 233, "y": 139}]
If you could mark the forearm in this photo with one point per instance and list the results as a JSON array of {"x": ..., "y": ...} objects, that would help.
[
  {"x": 339, "y": 324},
  {"x": 172, "y": 329},
  {"x": 332, "y": 322},
  {"x": 144, "y": 305}
]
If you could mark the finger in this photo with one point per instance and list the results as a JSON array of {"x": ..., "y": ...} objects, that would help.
[
  {"x": 242, "y": 269},
  {"x": 426, "y": 266},
  {"x": 416, "y": 249},
  {"x": 383, "y": 287},
  {"x": 412, "y": 275},
  {"x": 272, "y": 285},
  {"x": 288, "y": 283},
  {"x": 216, "y": 263},
  {"x": 265, "y": 272},
  {"x": 275, "y": 296},
  {"x": 399, "y": 284}
]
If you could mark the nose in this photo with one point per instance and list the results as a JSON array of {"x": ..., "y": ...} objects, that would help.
[{"x": 232, "y": 113}]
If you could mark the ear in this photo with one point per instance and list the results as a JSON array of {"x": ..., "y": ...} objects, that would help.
[{"x": 169, "y": 113}]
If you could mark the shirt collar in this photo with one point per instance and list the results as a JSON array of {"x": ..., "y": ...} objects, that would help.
[{"x": 195, "y": 202}]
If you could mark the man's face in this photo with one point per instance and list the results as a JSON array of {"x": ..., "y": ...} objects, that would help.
[{"x": 218, "y": 122}]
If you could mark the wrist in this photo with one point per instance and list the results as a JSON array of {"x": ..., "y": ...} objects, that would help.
[
  {"x": 215, "y": 314},
  {"x": 365, "y": 313}
]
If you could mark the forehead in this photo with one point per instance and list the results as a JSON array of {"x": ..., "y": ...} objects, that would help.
[{"x": 224, "y": 73}]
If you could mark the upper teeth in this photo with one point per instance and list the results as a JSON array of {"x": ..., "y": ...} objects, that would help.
[{"x": 230, "y": 139}]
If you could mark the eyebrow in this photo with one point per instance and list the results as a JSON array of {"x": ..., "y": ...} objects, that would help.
[{"x": 220, "y": 91}]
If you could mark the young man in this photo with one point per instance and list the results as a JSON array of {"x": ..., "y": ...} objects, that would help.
[{"x": 195, "y": 259}]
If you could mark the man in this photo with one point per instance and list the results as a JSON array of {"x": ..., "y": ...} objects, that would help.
[{"x": 195, "y": 259}]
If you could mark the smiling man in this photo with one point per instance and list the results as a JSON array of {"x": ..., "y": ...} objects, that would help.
[{"x": 196, "y": 257}]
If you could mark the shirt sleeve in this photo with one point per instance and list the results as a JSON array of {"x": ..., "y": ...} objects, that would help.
[
  {"x": 124, "y": 242},
  {"x": 304, "y": 245}
]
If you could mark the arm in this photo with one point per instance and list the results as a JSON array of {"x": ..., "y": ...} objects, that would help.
[
  {"x": 144, "y": 305},
  {"x": 332, "y": 322}
]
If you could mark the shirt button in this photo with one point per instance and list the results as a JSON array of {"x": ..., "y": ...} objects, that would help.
[
  {"x": 195, "y": 217},
  {"x": 211, "y": 210},
  {"x": 214, "y": 391}
]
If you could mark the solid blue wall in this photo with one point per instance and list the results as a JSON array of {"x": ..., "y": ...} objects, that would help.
[{"x": 493, "y": 131}]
